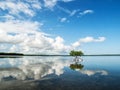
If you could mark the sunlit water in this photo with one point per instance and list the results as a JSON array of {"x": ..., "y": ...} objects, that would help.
[{"x": 60, "y": 73}]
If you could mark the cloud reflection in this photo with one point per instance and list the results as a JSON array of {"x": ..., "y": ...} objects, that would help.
[
  {"x": 35, "y": 68},
  {"x": 93, "y": 72}
]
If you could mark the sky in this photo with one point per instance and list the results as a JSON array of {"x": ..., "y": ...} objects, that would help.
[{"x": 59, "y": 26}]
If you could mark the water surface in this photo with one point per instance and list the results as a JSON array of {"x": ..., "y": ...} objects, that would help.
[{"x": 60, "y": 73}]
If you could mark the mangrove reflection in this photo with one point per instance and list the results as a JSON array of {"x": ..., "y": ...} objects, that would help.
[
  {"x": 77, "y": 64},
  {"x": 77, "y": 59}
]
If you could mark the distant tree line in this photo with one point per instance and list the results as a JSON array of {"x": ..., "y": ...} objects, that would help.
[{"x": 2, "y": 53}]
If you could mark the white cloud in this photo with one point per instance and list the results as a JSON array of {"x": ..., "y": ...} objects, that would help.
[
  {"x": 87, "y": 40},
  {"x": 63, "y": 19},
  {"x": 67, "y": 0},
  {"x": 2, "y": 47},
  {"x": 74, "y": 12},
  {"x": 25, "y": 35},
  {"x": 100, "y": 39},
  {"x": 7, "y": 17},
  {"x": 64, "y": 10},
  {"x": 76, "y": 44},
  {"x": 35, "y": 4},
  {"x": 91, "y": 39},
  {"x": 17, "y": 7},
  {"x": 86, "y": 12},
  {"x": 50, "y": 3},
  {"x": 17, "y": 26}
]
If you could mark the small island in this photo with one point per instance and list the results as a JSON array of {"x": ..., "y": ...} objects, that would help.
[
  {"x": 2, "y": 53},
  {"x": 11, "y": 55}
]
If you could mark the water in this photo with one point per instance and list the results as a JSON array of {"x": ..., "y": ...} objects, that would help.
[{"x": 60, "y": 73}]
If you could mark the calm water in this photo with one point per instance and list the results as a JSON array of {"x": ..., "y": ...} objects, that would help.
[{"x": 60, "y": 73}]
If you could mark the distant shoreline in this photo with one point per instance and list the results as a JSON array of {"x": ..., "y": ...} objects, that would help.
[
  {"x": 20, "y": 54},
  {"x": 69, "y": 55}
]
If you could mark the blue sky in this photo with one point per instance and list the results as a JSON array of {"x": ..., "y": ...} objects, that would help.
[{"x": 58, "y": 26}]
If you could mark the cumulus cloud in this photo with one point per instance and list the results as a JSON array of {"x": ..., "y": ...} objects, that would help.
[
  {"x": 50, "y": 3},
  {"x": 34, "y": 43},
  {"x": 29, "y": 40},
  {"x": 87, "y": 40},
  {"x": 16, "y": 7},
  {"x": 26, "y": 36},
  {"x": 17, "y": 26},
  {"x": 35, "y": 4}
]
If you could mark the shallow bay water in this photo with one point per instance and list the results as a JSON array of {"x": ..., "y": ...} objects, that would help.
[{"x": 60, "y": 73}]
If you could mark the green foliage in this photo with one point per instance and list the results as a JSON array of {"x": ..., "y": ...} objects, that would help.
[{"x": 76, "y": 53}]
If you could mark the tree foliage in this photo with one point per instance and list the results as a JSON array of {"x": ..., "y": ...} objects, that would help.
[{"x": 76, "y": 53}]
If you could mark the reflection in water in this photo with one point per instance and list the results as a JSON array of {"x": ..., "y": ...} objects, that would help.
[
  {"x": 26, "y": 69},
  {"x": 76, "y": 66},
  {"x": 79, "y": 67},
  {"x": 26, "y": 72},
  {"x": 53, "y": 73},
  {"x": 93, "y": 72},
  {"x": 77, "y": 59},
  {"x": 35, "y": 69}
]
